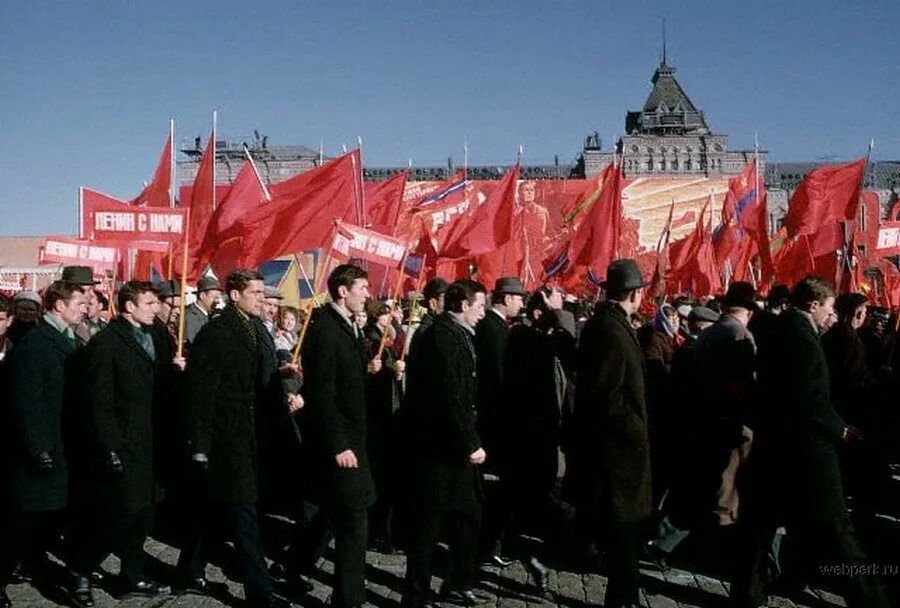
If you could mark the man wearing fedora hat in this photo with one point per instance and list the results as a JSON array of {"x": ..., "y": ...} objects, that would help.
[
  {"x": 79, "y": 275},
  {"x": 612, "y": 447},
  {"x": 197, "y": 314},
  {"x": 490, "y": 349}
]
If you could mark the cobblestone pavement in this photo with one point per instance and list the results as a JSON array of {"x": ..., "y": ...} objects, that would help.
[{"x": 509, "y": 588}]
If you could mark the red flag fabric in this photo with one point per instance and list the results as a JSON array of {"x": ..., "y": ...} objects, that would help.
[
  {"x": 299, "y": 217},
  {"x": 353, "y": 242},
  {"x": 826, "y": 194},
  {"x": 596, "y": 241},
  {"x": 245, "y": 194},
  {"x": 383, "y": 201},
  {"x": 158, "y": 192},
  {"x": 489, "y": 226},
  {"x": 202, "y": 204}
]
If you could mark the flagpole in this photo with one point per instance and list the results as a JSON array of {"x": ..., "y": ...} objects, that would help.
[
  {"x": 400, "y": 277},
  {"x": 214, "y": 158},
  {"x": 184, "y": 269},
  {"x": 465, "y": 158},
  {"x": 81, "y": 212},
  {"x": 295, "y": 357},
  {"x": 305, "y": 276},
  {"x": 362, "y": 190},
  {"x": 172, "y": 173},
  {"x": 258, "y": 176}
]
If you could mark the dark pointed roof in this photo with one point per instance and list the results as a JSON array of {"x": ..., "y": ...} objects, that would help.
[{"x": 668, "y": 109}]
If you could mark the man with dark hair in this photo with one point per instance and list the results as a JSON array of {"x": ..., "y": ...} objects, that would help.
[
  {"x": 335, "y": 359},
  {"x": 230, "y": 375},
  {"x": 612, "y": 447},
  {"x": 445, "y": 482},
  {"x": 490, "y": 349},
  {"x": 41, "y": 379},
  {"x": 796, "y": 478},
  {"x": 117, "y": 491},
  {"x": 433, "y": 296}
]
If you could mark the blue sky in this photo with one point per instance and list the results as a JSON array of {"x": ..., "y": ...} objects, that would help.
[{"x": 87, "y": 87}]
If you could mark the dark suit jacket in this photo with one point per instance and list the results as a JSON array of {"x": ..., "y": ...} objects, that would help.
[
  {"x": 797, "y": 429},
  {"x": 441, "y": 417},
  {"x": 612, "y": 449},
  {"x": 536, "y": 361},
  {"x": 121, "y": 379},
  {"x": 334, "y": 384},
  {"x": 490, "y": 348},
  {"x": 42, "y": 374},
  {"x": 224, "y": 382}
]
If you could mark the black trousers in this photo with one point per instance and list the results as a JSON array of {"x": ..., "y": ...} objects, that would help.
[
  {"x": 623, "y": 551},
  {"x": 240, "y": 524},
  {"x": 518, "y": 506},
  {"x": 26, "y": 537},
  {"x": 97, "y": 533},
  {"x": 810, "y": 549},
  {"x": 349, "y": 525},
  {"x": 426, "y": 530}
]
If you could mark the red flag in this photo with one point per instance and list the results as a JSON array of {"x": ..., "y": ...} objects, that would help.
[
  {"x": 684, "y": 254},
  {"x": 299, "y": 217},
  {"x": 383, "y": 201},
  {"x": 158, "y": 192},
  {"x": 487, "y": 227},
  {"x": 826, "y": 194},
  {"x": 202, "y": 204},
  {"x": 246, "y": 194},
  {"x": 596, "y": 241},
  {"x": 353, "y": 242}
]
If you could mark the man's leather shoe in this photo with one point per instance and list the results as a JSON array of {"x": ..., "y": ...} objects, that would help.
[
  {"x": 539, "y": 573},
  {"x": 79, "y": 592},
  {"x": 198, "y": 585},
  {"x": 273, "y": 601},
  {"x": 299, "y": 585},
  {"x": 497, "y": 561},
  {"x": 149, "y": 588},
  {"x": 97, "y": 577},
  {"x": 5, "y": 602},
  {"x": 463, "y": 597}
]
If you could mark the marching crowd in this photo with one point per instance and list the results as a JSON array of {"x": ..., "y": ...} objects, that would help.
[{"x": 498, "y": 423}]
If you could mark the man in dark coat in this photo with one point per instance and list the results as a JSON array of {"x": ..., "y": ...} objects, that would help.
[
  {"x": 446, "y": 451},
  {"x": 118, "y": 493},
  {"x": 223, "y": 387},
  {"x": 612, "y": 451},
  {"x": 539, "y": 360},
  {"x": 796, "y": 480},
  {"x": 490, "y": 349},
  {"x": 433, "y": 296},
  {"x": 42, "y": 379},
  {"x": 335, "y": 360}
]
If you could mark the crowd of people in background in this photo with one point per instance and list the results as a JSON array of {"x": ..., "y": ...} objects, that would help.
[{"x": 516, "y": 426}]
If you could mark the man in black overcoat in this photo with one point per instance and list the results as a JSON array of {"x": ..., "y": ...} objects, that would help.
[
  {"x": 539, "y": 360},
  {"x": 335, "y": 362},
  {"x": 490, "y": 349},
  {"x": 445, "y": 449},
  {"x": 229, "y": 371},
  {"x": 433, "y": 296},
  {"x": 117, "y": 492},
  {"x": 795, "y": 476},
  {"x": 612, "y": 448},
  {"x": 42, "y": 378}
]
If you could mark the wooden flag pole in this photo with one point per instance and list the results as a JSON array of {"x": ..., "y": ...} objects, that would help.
[
  {"x": 184, "y": 269},
  {"x": 112, "y": 288},
  {"x": 169, "y": 273},
  {"x": 295, "y": 358},
  {"x": 400, "y": 277}
]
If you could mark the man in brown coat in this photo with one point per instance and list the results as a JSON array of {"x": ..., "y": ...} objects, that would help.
[{"x": 612, "y": 450}]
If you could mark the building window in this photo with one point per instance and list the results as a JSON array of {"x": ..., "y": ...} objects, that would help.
[
  {"x": 862, "y": 217},
  {"x": 674, "y": 165},
  {"x": 689, "y": 165}
]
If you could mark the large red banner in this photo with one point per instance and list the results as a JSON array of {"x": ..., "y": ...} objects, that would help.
[
  {"x": 355, "y": 242},
  {"x": 113, "y": 223},
  {"x": 64, "y": 250}
]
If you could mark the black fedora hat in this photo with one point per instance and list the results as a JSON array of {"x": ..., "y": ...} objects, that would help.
[
  {"x": 509, "y": 285},
  {"x": 741, "y": 294},
  {"x": 623, "y": 275},
  {"x": 79, "y": 275},
  {"x": 167, "y": 289}
]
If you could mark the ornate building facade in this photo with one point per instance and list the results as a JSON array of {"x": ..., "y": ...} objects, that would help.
[{"x": 668, "y": 137}]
